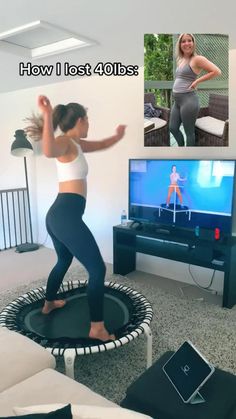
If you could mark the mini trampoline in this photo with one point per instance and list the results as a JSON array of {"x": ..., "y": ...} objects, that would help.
[
  {"x": 64, "y": 332},
  {"x": 175, "y": 209}
]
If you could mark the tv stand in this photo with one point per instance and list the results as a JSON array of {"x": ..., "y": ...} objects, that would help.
[
  {"x": 162, "y": 230},
  {"x": 177, "y": 245},
  {"x": 136, "y": 225}
]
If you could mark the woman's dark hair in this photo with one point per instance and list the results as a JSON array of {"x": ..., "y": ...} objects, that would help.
[{"x": 64, "y": 117}]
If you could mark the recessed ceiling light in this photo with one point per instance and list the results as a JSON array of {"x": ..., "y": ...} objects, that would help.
[{"x": 40, "y": 39}]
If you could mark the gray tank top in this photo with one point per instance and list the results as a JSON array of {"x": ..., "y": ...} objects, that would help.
[{"x": 184, "y": 77}]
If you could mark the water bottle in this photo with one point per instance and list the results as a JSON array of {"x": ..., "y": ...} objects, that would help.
[{"x": 123, "y": 218}]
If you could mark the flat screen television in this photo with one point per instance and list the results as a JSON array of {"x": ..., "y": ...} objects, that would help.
[{"x": 182, "y": 193}]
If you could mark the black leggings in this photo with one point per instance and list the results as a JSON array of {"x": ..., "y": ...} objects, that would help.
[
  {"x": 185, "y": 110},
  {"x": 71, "y": 237}
]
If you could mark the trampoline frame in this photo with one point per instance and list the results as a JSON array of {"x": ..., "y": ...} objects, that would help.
[{"x": 70, "y": 354}]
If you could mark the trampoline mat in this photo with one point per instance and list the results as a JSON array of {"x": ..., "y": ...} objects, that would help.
[{"x": 72, "y": 322}]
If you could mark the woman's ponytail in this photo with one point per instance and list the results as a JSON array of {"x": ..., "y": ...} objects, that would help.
[
  {"x": 58, "y": 114},
  {"x": 64, "y": 116},
  {"x": 35, "y": 128}
]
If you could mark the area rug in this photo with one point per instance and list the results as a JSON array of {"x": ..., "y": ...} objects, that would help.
[{"x": 211, "y": 328}]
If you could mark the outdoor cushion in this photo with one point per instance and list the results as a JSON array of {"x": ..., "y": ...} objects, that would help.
[
  {"x": 211, "y": 125},
  {"x": 148, "y": 125},
  {"x": 159, "y": 123}
]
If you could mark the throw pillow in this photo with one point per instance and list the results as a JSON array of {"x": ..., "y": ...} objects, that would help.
[
  {"x": 85, "y": 411},
  {"x": 62, "y": 413},
  {"x": 150, "y": 111}
]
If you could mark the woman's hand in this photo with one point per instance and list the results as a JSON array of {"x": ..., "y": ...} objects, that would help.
[
  {"x": 193, "y": 86},
  {"x": 44, "y": 105},
  {"x": 120, "y": 132},
  {"x": 88, "y": 146},
  {"x": 200, "y": 63}
]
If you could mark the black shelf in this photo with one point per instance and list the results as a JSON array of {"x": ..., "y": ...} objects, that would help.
[{"x": 179, "y": 245}]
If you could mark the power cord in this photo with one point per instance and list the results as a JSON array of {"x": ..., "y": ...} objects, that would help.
[
  {"x": 206, "y": 289},
  {"x": 200, "y": 286}
]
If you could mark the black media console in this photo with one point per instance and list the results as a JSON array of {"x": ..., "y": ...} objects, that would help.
[{"x": 179, "y": 245}]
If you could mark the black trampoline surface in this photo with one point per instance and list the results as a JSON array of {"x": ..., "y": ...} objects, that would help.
[
  {"x": 72, "y": 322},
  {"x": 126, "y": 314}
]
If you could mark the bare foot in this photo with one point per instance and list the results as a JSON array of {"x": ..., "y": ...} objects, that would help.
[
  {"x": 98, "y": 331},
  {"x": 52, "y": 305}
]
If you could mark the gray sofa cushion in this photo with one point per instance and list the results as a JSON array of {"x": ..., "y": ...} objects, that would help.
[
  {"x": 47, "y": 387},
  {"x": 20, "y": 358}
]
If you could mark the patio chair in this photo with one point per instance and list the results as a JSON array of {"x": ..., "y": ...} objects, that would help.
[
  {"x": 212, "y": 125},
  {"x": 156, "y": 129}
]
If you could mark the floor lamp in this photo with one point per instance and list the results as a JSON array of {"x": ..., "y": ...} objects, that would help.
[{"x": 21, "y": 147}]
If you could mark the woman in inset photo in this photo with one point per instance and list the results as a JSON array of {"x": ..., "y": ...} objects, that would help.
[{"x": 188, "y": 76}]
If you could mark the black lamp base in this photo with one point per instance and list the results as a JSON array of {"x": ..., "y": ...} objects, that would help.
[{"x": 26, "y": 247}]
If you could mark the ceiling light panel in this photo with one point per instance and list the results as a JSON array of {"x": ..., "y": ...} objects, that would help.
[{"x": 39, "y": 39}]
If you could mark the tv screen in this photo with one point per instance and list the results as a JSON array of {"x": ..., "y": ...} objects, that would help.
[{"x": 182, "y": 193}]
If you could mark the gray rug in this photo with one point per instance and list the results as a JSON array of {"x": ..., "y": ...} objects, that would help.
[{"x": 211, "y": 328}]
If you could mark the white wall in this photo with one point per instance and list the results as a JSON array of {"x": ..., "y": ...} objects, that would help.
[{"x": 111, "y": 101}]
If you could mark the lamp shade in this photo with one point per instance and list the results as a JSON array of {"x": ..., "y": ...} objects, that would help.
[{"x": 21, "y": 147}]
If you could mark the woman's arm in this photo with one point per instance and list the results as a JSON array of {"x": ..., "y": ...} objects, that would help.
[
  {"x": 89, "y": 146},
  {"x": 181, "y": 178},
  {"x": 202, "y": 63},
  {"x": 52, "y": 147}
]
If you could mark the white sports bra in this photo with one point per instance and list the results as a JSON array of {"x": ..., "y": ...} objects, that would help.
[{"x": 75, "y": 169}]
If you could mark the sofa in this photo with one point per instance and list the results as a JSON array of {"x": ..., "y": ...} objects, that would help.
[{"x": 28, "y": 378}]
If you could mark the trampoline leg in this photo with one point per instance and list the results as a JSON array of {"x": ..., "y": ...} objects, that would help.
[
  {"x": 69, "y": 359},
  {"x": 148, "y": 334}
]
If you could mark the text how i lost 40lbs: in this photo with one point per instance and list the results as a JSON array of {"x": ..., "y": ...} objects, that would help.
[{"x": 66, "y": 69}]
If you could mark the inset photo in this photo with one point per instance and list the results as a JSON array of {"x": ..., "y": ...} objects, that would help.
[{"x": 186, "y": 90}]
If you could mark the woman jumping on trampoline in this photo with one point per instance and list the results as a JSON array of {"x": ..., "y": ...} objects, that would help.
[
  {"x": 173, "y": 187},
  {"x": 186, "y": 103},
  {"x": 69, "y": 234}
]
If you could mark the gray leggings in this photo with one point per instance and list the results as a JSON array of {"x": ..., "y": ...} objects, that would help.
[{"x": 185, "y": 110}]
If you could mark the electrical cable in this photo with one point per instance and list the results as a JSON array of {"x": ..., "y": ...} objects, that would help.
[{"x": 208, "y": 288}]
